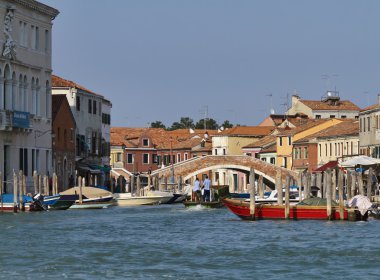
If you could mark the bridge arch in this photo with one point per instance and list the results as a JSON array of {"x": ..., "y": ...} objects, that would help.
[{"x": 200, "y": 165}]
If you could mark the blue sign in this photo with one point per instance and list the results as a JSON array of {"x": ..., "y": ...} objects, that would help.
[{"x": 20, "y": 119}]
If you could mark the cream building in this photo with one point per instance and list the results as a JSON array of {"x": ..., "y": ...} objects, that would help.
[{"x": 25, "y": 94}]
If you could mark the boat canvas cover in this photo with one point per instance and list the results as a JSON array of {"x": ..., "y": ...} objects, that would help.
[
  {"x": 361, "y": 202},
  {"x": 316, "y": 201},
  {"x": 89, "y": 192}
]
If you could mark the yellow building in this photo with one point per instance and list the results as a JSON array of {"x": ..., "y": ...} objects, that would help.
[{"x": 286, "y": 137}]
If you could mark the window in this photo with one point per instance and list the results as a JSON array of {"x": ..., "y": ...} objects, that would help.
[
  {"x": 317, "y": 116},
  {"x": 118, "y": 157},
  {"x": 224, "y": 152},
  {"x": 129, "y": 158},
  {"x": 154, "y": 158},
  {"x": 305, "y": 153},
  {"x": 94, "y": 107},
  {"x": 344, "y": 117},
  {"x": 330, "y": 149},
  {"x": 47, "y": 40},
  {"x": 320, "y": 150},
  {"x": 23, "y": 34},
  {"x": 285, "y": 162},
  {"x": 185, "y": 156},
  {"x": 264, "y": 159},
  {"x": 289, "y": 140},
  {"x": 178, "y": 157},
  {"x": 78, "y": 103},
  {"x": 145, "y": 158},
  {"x": 295, "y": 153},
  {"x": 280, "y": 140},
  {"x": 145, "y": 142},
  {"x": 216, "y": 152},
  {"x": 89, "y": 106},
  {"x": 332, "y": 116},
  {"x": 369, "y": 123},
  {"x": 273, "y": 160},
  {"x": 37, "y": 40}
]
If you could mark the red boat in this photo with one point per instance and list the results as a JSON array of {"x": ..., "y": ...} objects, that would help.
[{"x": 241, "y": 208}]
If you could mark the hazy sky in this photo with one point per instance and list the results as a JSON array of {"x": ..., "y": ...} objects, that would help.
[{"x": 160, "y": 60}]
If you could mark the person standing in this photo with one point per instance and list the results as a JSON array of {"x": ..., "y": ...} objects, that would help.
[
  {"x": 206, "y": 189},
  {"x": 196, "y": 190}
]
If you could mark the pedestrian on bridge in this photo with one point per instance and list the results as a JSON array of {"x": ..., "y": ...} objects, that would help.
[
  {"x": 206, "y": 189},
  {"x": 196, "y": 196}
]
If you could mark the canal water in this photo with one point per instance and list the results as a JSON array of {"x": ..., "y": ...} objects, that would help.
[{"x": 171, "y": 242}]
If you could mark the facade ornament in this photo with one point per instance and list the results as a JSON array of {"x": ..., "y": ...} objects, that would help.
[{"x": 9, "y": 50}]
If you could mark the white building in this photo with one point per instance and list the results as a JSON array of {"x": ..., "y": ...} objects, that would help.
[
  {"x": 92, "y": 134},
  {"x": 25, "y": 94}
]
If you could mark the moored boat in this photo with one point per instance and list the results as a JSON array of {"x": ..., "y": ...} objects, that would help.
[
  {"x": 59, "y": 201},
  {"x": 90, "y": 198},
  {"x": 127, "y": 199},
  {"x": 24, "y": 203},
  {"x": 301, "y": 211}
]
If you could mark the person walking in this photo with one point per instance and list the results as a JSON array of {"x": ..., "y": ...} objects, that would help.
[
  {"x": 196, "y": 190},
  {"x": 206, "y": 189}
]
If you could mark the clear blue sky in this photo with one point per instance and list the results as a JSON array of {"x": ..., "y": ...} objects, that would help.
[{"x": 163, "y": 60}]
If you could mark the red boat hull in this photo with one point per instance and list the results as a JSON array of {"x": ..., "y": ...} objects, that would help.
[{"x": 297, "y": 212}]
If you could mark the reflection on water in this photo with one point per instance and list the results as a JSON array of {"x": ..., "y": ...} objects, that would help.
[{"x": 174, "y": 242}]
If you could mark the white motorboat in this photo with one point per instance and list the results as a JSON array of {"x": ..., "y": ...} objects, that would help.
[{"x": 151, "y": 198}]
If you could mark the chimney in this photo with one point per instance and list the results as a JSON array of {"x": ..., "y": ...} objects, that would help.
[{"x": 295, "y": 99}]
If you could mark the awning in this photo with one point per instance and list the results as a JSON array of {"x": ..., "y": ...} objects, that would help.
[
  {"x": 88, "y": 168},
  {"x": 330, "y": 164},
  {"x": 360, "y": 160}
]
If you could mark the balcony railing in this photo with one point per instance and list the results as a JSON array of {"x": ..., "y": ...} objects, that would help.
[{"x": 5, "y": 120}]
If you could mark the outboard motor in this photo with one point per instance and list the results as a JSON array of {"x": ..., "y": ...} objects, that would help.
[{"x": 38, "y": 202}]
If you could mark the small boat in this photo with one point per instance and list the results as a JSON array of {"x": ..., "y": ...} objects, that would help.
[
  {"x": 59, "y": 201},
  {"x": 307, "y": 209},
  {"x": 92, "y": 198},
  {"x": 127, "y": 199},
  {"x": 28, "y": 204}
]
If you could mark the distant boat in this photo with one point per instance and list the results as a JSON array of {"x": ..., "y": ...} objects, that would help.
[
  {"x": 28, "y": 204},
  {"x": 305, "y": 210},
  {"x": 127, "y": 199},
  {"x": 92, "y": 198},
  {"x": 59, "y": 201}
]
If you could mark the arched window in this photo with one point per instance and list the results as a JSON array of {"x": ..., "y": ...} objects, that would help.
[
  {"x": 38, "y": 98},
  {"x": 14, "y": 89},
  {"x": 34, "y": 97},
  {"x": 25, "y": 95},
  {"x": 47, "y": 100},
  {"x": 20, "y": 93},
  {"x": 7, "y": 88}
]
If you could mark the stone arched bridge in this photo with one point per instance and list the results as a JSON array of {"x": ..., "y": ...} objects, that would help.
[{"x": 199, "y": 165}]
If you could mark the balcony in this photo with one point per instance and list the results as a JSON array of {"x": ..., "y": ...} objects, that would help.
[{"x": 9, "y": 120}]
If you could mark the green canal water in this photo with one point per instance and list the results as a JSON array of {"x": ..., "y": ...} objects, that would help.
[{"x": 171, "y": 242}]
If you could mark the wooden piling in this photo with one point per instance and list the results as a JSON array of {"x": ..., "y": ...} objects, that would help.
[
  {"x": 279, "y": 188},
  {"x": 348, "y": 184},
  {"x": 307, "y": 185},
  {"x": 287, "y": 203},
  {"x": 1, "y": 192},
  {"x": 369, "y": 182},
  {"x": 299, "y": 184},
  {"x": 333, "y": 184},
  {"x": 80, "y": 189},
  {"x": 138, "y": 185},
  {"x": 252, "y": 193},
  {"x": 261, "y": 186},
  {"x": 360, "y": 183},
  {"x": 21, "y": 190},
  {"x": 35, "y": 181},
  {"x": 319, "y": 184},
  {"x": 340, "y": 194},
  {"x": 329, "y": 194},
  {"x": 15, "y": 192}
]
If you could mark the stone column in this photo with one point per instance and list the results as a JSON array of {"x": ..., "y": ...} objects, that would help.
[
  {"x": 2, "y": 93},
  {"x": 8, "y": 94}
]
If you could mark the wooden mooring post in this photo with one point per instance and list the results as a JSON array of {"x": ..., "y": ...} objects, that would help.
[
  {"x": 261, "y": 186},
  {"x": 360, "y": 183},
  {"x": 1, "y": 192},
  {"x": 319, "y": 184},
  {"x": 252, "y": 202},
  {"x": 287, "y": 203},
  {"x": 328, "y": 186},
  {"x": 15, "y": 185},
  {"x": 279, "y": 188},
  {"x": 353, "y": 183},
  {"x": 348, "y": 184},
  {"x": 299, "y": 184},
  {"x": 369, "y": 182},
  {"x": 21, "y": 188},
  {"x": 340, "y": 194}
]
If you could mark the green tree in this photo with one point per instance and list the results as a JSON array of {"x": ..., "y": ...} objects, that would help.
[
  {"x": 227, "y": 124},
  {"x": 185, "y": 122},
  {"x": 157, "y": 124},
  {"x": 210, "y": 124}
]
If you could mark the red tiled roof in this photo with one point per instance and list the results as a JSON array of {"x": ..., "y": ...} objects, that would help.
[
  {"x": 323, "y": 105},
  {"x": 60, "y": 82},
  {"x": 263, "y": 142},
  {"x": 248, "y": 131},
  {"x": 348, "y": 127},
  {"x": 330, "y": 164},
  {"x": 309, "y": 123},
  {"x": 372, "y": 107}
]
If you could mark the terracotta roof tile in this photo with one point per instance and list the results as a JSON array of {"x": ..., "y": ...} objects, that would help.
[
  {"x": 372, "y": 107},
  {"x": 346, "y": 128},
  {"x": 60, "y": 82},
  {"x": 308, "y": 124},
  {"x": 248, "y": 131},
  {"x": 263, "y": 142},
  {"x": 322, "y": 105}
]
